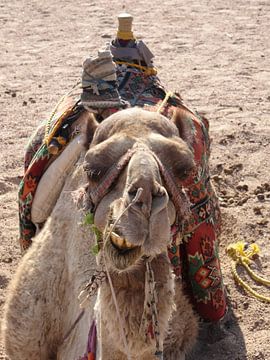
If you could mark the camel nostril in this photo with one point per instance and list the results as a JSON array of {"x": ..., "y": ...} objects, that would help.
[
  {"x": 132, "y": 193},
  {"x": 143, "y": 202},
  {"x": 160, "y": 201},
  {"x": 150, "y": 201},
  {"x": 158, "y": 190}
]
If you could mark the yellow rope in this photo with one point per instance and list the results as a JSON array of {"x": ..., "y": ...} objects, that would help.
[
  {"x": 145, "y": 69},
  {"x": 257, "y": 278},
  {"x": 242, "y": 256},
  {"x": 164, "y": 101},
  {"x": 49, "y": 136}
]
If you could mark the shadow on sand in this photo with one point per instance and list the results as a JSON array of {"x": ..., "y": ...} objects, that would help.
[{"x": 223, "y": 341}]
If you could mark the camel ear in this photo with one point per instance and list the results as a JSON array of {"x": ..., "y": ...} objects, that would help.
[
  {"x": 182, "y": 120},
  {"x": 91, "y": 126}
]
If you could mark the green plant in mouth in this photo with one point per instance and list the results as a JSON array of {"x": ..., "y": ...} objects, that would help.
[{"x": 89, "y": 221}]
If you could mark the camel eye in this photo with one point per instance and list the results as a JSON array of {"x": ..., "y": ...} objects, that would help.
[
  {"x": 183, "y": 171},
  {"x": 132, "y": 192},
  {"x": 94, "y": 171},
  {"x": 101, "y": 157},
  {"x": 182, "y": 174},
  {"x": 94, "y": 174}
]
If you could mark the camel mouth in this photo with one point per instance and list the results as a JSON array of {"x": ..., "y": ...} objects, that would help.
[
  {"x": 121, "y": 243},
  {"x": 121, "y": 253}
]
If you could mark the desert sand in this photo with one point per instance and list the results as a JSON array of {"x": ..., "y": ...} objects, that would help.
[{"x": 217, "y": 55}]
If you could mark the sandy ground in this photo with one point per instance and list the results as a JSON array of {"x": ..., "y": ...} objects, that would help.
[{"x": 217, "y": 54}]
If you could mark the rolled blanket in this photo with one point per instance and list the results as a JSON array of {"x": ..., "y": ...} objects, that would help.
[
  {"x": 52, "y": 181},
  {"x": 37, "y": 159}
]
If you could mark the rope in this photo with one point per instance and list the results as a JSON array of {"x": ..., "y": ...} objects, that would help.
[
  {"x": 164, "y": 101},
  {"x": 150, "y": 308},
  {"x": 145, "y": 69},
  {"x": 136, "y": 198},
  {"x": 243, "y": 256}
]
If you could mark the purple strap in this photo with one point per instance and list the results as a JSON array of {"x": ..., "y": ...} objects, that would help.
[
  {"x": 92, "y": 342},
  {"x": 92, "y": 338}
]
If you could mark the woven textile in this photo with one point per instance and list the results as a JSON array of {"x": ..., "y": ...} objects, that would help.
[{"x": 199, "y": 258}]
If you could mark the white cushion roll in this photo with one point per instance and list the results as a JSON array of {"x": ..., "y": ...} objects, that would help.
[{"x": 52, "y": 181}]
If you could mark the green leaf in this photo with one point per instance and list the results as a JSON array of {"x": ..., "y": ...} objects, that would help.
[
  {"x": 97, "y": 233},
  {"x": 95, "y": 249},
  {"x": 89, "y": 219}
]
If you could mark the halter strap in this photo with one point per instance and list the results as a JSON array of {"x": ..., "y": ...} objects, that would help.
[{"x": 178, "y": 195}]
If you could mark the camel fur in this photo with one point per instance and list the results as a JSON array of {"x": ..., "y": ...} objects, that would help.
[{"x": 42, "y": 301}]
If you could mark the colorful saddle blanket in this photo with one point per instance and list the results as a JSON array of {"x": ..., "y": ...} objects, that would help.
[{"x": 196, "y": 260}]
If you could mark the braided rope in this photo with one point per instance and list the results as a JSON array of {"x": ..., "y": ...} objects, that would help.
[
  {"x": 150, "y": 309},
  {"x": 48, "y": 133},
  {"x": 242, "y": 256},
  {"x": 245, "y": 285},
  {"x": 256, "y": 277}
]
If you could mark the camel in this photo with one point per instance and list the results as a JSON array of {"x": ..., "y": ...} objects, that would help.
[{"x": 134, "y": 214}]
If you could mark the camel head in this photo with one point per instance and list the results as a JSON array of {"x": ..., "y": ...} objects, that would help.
[{"x": 130, "y": 155}]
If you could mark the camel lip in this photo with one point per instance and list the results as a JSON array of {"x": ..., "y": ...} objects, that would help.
[
  {"x": 121, "y": 259},
  {"x": 119, "y": 241}
]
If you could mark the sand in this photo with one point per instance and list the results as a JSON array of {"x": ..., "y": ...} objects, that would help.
[{"x": 217, "y": 54}]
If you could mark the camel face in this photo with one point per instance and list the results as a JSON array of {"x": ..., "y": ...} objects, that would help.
[{"x": 138, "y": 201}]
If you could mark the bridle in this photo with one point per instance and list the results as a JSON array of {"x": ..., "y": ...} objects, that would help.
[{"x": 177, "y": 194}]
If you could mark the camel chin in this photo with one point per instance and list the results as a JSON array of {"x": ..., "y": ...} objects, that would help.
[{"x": 120, "y": 253}]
